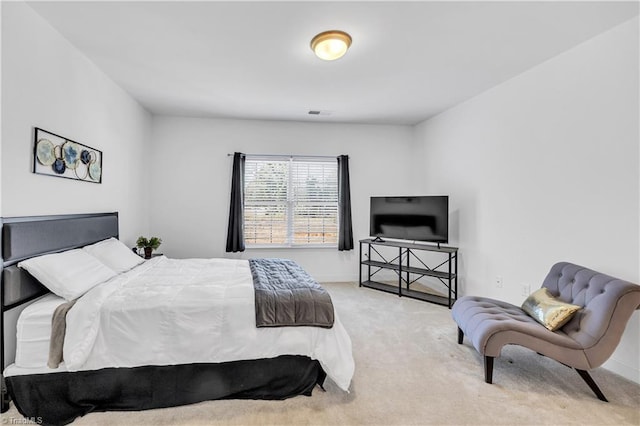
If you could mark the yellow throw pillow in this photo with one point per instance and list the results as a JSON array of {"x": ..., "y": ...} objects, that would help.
[{"x": 547, "y": 310}]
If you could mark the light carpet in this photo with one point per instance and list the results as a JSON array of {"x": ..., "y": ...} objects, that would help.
[{"x": 411, "y": 371}]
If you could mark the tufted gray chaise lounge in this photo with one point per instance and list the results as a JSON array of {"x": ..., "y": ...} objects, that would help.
[{"x": 584, "y": 343}]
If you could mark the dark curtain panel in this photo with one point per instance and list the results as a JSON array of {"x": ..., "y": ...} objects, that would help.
[
  {"x": 345, "y": 233},
  {"x": 235, "y": 232}
]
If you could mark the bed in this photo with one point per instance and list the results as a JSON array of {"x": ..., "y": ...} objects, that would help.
[{"x": 166, "y": 332}]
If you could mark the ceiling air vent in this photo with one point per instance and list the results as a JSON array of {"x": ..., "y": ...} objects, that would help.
[{"x": 318, "y": 112}]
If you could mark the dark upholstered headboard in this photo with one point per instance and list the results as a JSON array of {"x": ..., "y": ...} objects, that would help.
[
  {"x": 28, "y": 237},
  {"x": 25, "y": 237}
]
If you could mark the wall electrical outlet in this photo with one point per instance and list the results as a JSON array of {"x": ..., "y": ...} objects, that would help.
[
  {"x": 499, "y": 281},
  {"x": 526, "y": 289}
]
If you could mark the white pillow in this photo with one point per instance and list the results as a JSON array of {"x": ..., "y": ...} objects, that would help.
[
  {"x": 69, "y": 274},
  {"x": 114, "y": 254}
]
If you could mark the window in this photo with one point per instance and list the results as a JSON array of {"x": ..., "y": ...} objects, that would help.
[{"x": 290, "y": 201}]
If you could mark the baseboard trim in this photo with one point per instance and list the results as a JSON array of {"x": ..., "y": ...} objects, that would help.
[
  {"x": 622, "y": 369},
  {"x": 334, "y": 278}
]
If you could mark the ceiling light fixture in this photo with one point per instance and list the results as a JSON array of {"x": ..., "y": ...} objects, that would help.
[{"x": 331, "y": 45}]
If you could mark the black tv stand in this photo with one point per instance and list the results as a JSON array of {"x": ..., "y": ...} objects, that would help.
[
  {"x": 378, "y": 240},
  {"x": 403, "y": 265}
]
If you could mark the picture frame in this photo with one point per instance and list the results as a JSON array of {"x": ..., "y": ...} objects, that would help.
[{"x": 59, "y": 156}]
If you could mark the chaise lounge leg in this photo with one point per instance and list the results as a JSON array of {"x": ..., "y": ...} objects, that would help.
[
  {"x": 488, "y": 369},
  {"x": 592, "y": 384},
  {"x": 460, "y": 335}
]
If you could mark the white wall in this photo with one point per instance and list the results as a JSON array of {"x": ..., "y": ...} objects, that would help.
[
  {"x": 544, "y": 168},
  {"x": 191, "y": 175},
  {"x": 48, "y": 83}
]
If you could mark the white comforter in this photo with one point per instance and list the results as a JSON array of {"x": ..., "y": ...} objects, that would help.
[{"x": 169, "y": 311}]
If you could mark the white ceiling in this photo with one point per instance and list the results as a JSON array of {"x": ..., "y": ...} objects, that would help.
[{"x": 408, "y": 60}]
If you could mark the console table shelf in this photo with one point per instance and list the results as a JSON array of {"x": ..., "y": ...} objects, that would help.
[{"x": 408, "y": 273}]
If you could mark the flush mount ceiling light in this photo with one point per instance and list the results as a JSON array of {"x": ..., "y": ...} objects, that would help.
[{"x": 331, "y": 45}]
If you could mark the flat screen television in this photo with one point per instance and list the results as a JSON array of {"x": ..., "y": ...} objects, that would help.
[{"x": 424, "y": 218}]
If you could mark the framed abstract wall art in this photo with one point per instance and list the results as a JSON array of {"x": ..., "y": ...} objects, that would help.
[{"x": 55, "y": 155}]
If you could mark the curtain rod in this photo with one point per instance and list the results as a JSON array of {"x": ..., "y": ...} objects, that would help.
[{"x": 287, "y": 155}]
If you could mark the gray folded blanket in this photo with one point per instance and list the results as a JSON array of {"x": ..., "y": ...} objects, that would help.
[
  {"x": 286, "y": 295},
  {"x": 58, "y": 330}
]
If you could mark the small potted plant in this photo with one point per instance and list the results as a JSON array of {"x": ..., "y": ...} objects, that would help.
[{"x": 148, "y": 245}]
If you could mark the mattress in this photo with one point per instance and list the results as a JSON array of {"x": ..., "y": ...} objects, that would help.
[{"x": 34, "y": 332}]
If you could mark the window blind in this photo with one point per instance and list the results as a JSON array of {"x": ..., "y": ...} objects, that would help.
[{"x": 291, "y": 201}]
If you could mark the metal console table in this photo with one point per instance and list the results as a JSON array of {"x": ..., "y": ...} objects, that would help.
[{"x": 410, "y": 268}]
